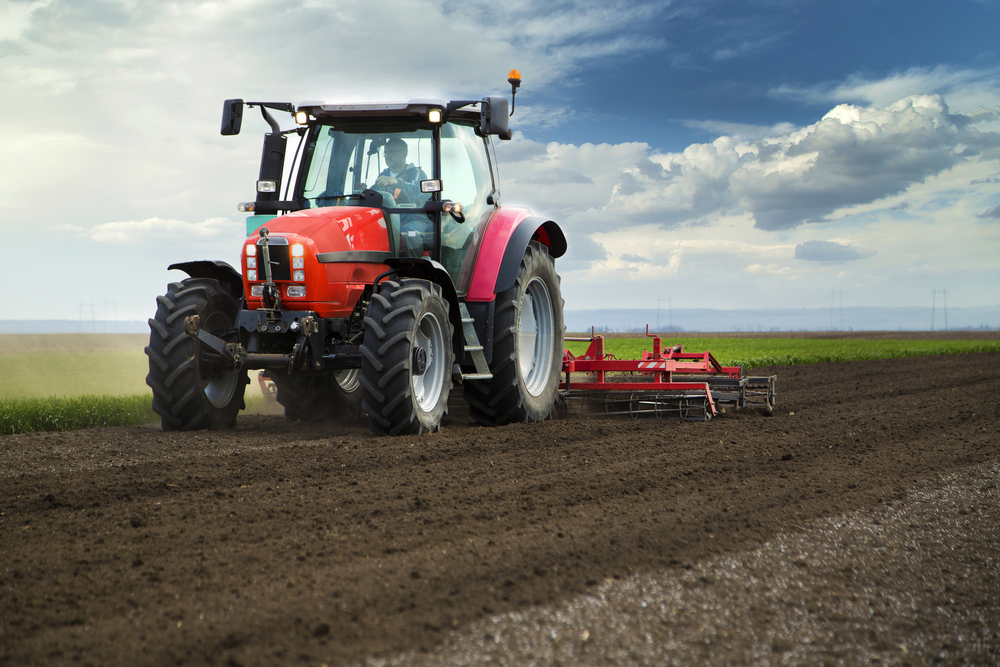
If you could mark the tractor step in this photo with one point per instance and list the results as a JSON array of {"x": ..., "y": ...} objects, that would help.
[{"x": 473, "y": 348}]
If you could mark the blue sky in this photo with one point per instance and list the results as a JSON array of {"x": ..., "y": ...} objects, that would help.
[{"x": 720, "y": 154}]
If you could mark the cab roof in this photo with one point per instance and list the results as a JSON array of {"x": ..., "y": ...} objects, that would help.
[{"x": 413, "y": 108}]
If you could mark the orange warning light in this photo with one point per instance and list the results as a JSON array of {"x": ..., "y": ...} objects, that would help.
[{"x": 514, "y": 78}]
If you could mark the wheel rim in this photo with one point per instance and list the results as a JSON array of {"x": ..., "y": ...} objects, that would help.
[
  {"x": 219, "y": 388},
  {"x": 349, "y": 380},
  {"x": 535, "y": 337},
  {"x": 427, "y": 387}
]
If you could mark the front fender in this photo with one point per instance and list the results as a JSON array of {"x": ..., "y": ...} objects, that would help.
[
  {"x": 216, "y": 270},
  {"x": 504, "y": 243}
]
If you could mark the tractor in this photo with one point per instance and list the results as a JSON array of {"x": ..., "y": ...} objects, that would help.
[{"x": 387, "y": 273}]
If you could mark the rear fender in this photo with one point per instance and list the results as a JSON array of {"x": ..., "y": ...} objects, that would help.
[
  {"x": 504, "y": 243},
  {"x": 216, "y": 270},
  {"x": 428, "y": 269}
]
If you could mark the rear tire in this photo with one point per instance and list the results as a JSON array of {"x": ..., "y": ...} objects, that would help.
[
  {"x": 318, "y": 398},
  {"x": 403, "y": 317},
  {"x": 186, "y": 396},
  {"x": 527, "y": 347}
]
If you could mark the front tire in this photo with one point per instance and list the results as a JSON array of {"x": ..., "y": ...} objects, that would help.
[
  {"x": 407, "y": 358},
  {"x": 187, "y": 395},
  {"x": 527, "y": 347}
]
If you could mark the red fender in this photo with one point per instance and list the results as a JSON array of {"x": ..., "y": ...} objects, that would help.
[{"x": 504, "y": 241}]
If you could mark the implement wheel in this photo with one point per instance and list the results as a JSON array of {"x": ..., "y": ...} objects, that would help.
[
  {"x": 188, "y": 394},
  {"x": 527, "y": 347},
  {"x": 407, "y": 358},
  {"x": 318, "y": 398}
]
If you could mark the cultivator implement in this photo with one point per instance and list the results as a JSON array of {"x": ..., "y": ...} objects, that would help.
[{"x": 664, "y": 384}]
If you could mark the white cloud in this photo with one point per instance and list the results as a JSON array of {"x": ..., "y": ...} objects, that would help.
[
  {"x": 993, "y": 212},
  {"x": 829, "y": 251},
  {"x": 15, "y": 17},
  {"x": 965, "y": 89},
  {"x": 745, "y": 48},
  {"x": 740, "y": 131},
  {"x": 154, "y": 231},
  {"x": 758, "y": 269}
]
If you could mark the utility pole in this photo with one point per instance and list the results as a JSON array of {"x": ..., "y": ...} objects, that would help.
[
  {"x": 832, "y": 293},
  {"x": 944, "y": 295},
  {"x": 933, "y": 304},
  {"x": 841, "y": 310}
]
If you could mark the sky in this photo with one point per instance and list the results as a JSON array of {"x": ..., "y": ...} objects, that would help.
[{"x": 719, "y": 154}]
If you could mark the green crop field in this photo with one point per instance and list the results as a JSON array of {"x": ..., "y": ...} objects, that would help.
[
  {"x": 68, "y": 365},
  {"x": 755, "y": 352}
]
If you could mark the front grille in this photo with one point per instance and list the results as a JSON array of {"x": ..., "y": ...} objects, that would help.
[{"x": 281, "y": 267}]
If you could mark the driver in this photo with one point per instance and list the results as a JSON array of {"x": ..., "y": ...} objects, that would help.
[{"x": 398, "y": 176}]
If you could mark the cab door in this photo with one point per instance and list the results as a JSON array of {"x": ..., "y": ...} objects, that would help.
[{"x": 465, "y": 178}]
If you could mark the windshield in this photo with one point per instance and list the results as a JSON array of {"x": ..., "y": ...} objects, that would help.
[{"x": 339, "y": 164}]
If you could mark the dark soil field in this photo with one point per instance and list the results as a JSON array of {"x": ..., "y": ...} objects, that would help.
[{"x": 289, "y": 544}]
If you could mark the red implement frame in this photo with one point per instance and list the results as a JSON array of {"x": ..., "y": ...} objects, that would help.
[{"x": 658, "y": 364}]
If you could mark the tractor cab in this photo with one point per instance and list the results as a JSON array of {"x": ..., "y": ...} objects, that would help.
[
  {"x": 413, "y": 165},
  {"x": 428, "y": 166}
]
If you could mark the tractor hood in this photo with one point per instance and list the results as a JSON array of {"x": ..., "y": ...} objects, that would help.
[
  {"x": 321, "y": 259},
  {"x": 334, "y": 229}
]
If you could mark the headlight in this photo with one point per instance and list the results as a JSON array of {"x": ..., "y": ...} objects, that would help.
[
  {"x": 251, "y": 275},
  {"x": 298, "y": 262},
  {"x": 299, "y": 276},
  {"x": 257, "y": 291},
  {"x": 296, "y": 291},
  {"x": 251, "y": 250},
  {"x": 251, "y": 262}
]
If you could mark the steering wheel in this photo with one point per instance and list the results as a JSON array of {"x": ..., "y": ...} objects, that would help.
[{"x": 402, "y": 198}]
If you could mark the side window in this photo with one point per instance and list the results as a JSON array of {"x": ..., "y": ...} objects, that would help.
[
  {"x": 319, "y": 150},
  {"x": 465, "y": 175}
]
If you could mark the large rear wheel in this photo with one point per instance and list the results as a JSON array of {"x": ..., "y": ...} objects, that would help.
[
  {"x": 527, "y": 347},
  {"x": 189, "y": 393},
  {"x": 407, "y": 358}
]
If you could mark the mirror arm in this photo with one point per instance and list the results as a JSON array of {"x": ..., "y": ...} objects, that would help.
[{"x": 270, "y": 120}]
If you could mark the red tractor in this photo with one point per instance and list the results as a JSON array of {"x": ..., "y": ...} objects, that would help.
[{"x": 389, "y": 273}]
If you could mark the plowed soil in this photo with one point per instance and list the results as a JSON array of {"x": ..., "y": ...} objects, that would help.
[{"x": 281, "y": 543}]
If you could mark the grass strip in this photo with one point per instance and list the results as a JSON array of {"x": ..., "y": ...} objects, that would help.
[{"x": 25, "y": 415}]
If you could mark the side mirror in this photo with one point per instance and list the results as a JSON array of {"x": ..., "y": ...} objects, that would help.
[
  {"x": 493, "y": 117},
  {"x": 232, "y": 117}
]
